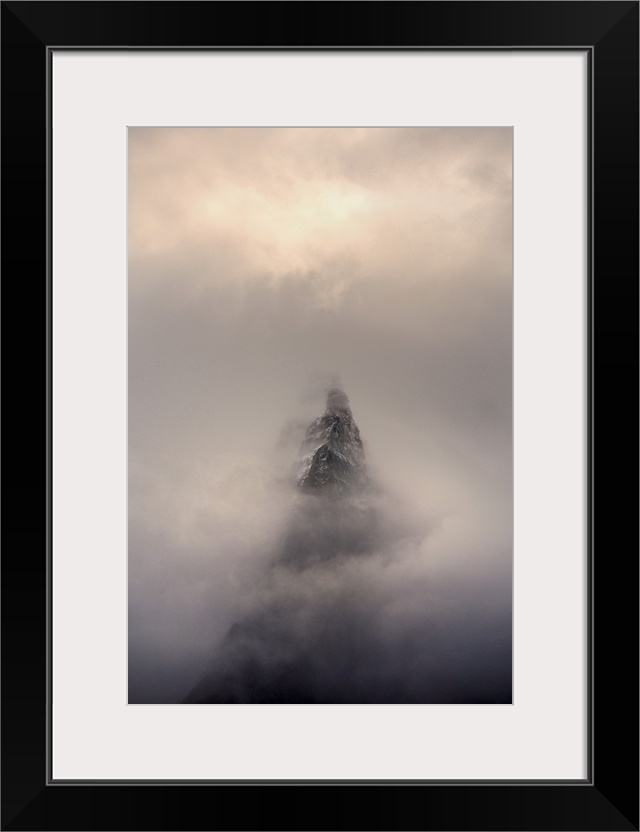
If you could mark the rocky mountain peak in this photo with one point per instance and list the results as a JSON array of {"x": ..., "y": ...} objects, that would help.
[{"x": 332, "y": 454}]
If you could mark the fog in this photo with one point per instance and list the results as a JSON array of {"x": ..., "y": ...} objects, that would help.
[{"x": 262, "y": 262}]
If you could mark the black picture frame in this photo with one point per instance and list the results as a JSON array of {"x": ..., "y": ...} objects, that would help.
[{"x": 608, "y": 798}]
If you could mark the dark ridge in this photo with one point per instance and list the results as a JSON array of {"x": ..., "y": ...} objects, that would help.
[{"x": 288, "y": 651}]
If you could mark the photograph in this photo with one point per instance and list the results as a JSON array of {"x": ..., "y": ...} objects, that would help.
[
  {"x": 320, "y": 415},
  {"x": 329, "y": 427}
]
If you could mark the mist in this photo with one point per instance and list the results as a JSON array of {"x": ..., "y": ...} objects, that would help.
[{"x": 262, "y": 263}]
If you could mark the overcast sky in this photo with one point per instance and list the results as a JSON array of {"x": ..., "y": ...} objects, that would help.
[{"x": 262, "y": 262}]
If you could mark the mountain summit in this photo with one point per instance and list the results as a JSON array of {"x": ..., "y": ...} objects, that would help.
[
  {"x": 327, "y": 623},
  {"x": 296, "y": 645},
  {"x": 333, "y": 516},
  {"x": 332, "y": 453}
]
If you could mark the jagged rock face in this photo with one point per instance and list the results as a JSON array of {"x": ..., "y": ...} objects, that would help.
[
  {"x": 333, "y": 517},
  {"x": 332, "y": 453}
]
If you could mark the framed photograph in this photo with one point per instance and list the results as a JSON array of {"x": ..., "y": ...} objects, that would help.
[{"x": 331, "y": 300}]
